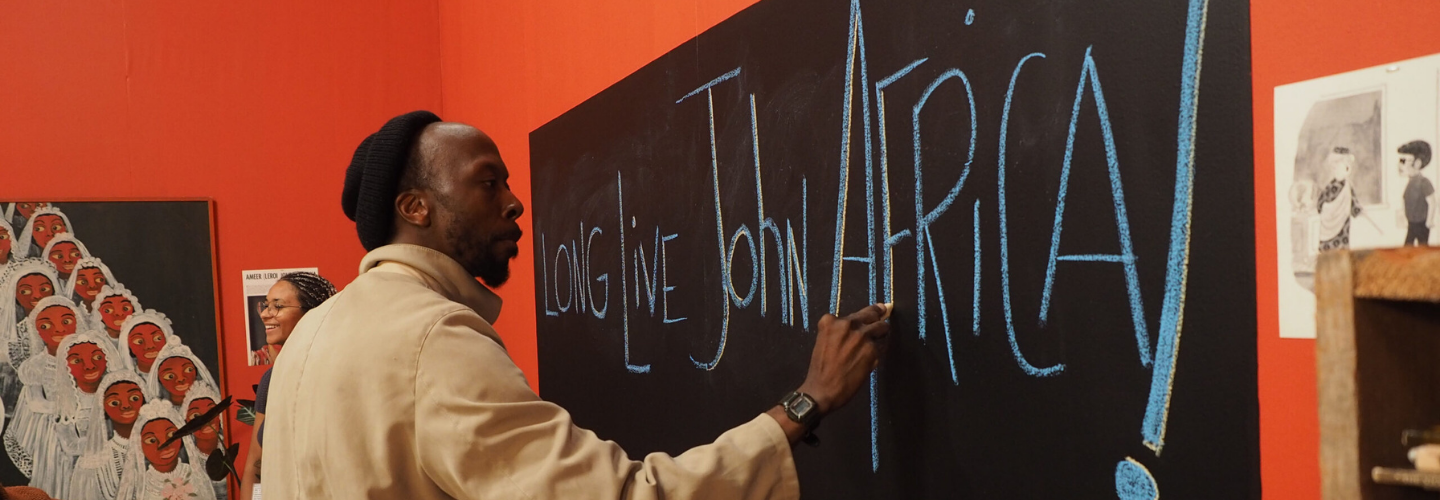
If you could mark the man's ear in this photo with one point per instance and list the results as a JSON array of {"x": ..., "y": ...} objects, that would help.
[{"x": 413, "y": 207}]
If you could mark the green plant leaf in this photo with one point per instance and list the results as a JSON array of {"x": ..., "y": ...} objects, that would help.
[{"x": 246, "y": 415}]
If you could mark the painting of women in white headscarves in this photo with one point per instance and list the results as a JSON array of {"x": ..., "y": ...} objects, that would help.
[
  {"x": 108, "y": 309},
  {"x": 1350, "y": 157}
]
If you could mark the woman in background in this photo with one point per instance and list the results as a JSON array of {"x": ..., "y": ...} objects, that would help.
[{"x": 288, "y": 300}]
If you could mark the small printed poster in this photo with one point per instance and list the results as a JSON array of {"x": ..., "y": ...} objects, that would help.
[
  {"x": 257, "y": 284},
  {"x": 1354, "y": 156}
]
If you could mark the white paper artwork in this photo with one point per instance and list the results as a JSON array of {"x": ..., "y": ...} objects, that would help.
[{"x": 1345, "y": 150}]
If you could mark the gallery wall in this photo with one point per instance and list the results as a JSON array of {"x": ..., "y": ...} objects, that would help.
[
  {"x": 257, "y": 105},
  {"x": 1292, "y": 42},
  {"x": 509, "y": 67}
]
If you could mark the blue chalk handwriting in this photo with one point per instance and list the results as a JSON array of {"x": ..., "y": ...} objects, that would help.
[
  {"x": 1126, "y": 257},
  {"x": 1134, "y": 482},
  {"x": 924, "y": 218},
  {"x": 665, "y": 287},
  {"x": 1177, "y": 262},
  {"x": 599, "y": 312},
  {"x": 624, "y": 306},
  {"x": 545, "y": 276},
  {"x": 570, "y": 290},
  {"x": 1025, "y": 365}
]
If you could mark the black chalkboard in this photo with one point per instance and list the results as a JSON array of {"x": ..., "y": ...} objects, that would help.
[{"x": 1076, "y": 168}]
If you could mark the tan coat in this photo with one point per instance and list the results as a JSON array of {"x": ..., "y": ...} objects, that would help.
[{"x": 398, "y": 387}]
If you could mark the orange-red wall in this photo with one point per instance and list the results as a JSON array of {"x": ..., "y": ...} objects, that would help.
[
  {"x": 1296, "y": 41},
  {"x": 509, "y": 67},
  {"x": 259, "y": 104},
  {"x": 256, "y": 104}
]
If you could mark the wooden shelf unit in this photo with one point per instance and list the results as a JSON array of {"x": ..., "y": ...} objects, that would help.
[{"x": 1377, "y": 364}]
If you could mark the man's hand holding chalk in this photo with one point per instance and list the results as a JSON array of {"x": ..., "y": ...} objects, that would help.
[{"x": 846, "y": 350}]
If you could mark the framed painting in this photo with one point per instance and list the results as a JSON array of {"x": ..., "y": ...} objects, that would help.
[{"x": 109, "y": 341}]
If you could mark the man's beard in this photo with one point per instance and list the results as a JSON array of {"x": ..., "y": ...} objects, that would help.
[{"x": 477, "y": 254}]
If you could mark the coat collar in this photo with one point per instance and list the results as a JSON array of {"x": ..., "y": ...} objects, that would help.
[{"x": 454, "y": 282}]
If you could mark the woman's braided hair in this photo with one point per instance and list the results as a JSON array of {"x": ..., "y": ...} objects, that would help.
[{"x": 314, "y": 289}]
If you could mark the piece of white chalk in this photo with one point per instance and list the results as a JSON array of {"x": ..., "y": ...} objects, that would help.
[{"x": 889, "y": 306}]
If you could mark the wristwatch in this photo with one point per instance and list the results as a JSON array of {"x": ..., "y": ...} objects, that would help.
[{"x": 801, "y": 409}]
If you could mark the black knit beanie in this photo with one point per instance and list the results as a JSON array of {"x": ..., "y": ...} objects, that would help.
[{"x": 373, "y": 177}]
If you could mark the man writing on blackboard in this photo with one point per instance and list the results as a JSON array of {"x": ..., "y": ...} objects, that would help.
[{"x": 398, "y": 387}]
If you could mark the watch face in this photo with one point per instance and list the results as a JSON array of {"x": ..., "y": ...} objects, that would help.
[{"x": 801, "y": 406}]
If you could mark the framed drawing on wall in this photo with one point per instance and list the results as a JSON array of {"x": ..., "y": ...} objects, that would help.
[
  {"x": 109, "y": 334},
  {"x": 1353, "y": 154}
]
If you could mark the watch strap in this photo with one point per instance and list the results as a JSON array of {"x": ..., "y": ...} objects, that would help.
[{"x": 810, "y": 419}]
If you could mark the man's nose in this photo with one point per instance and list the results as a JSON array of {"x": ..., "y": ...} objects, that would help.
[{"x": 513, "y": 207}]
